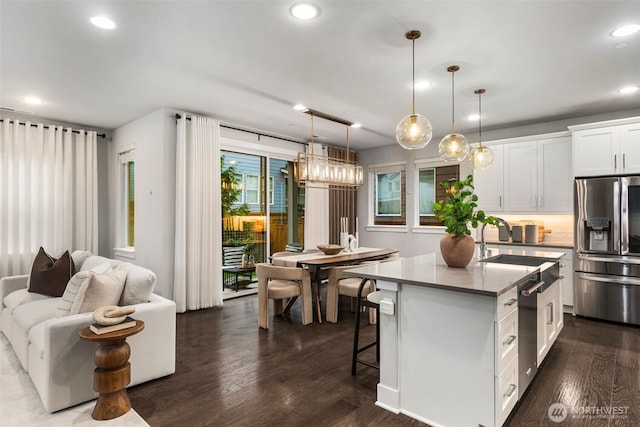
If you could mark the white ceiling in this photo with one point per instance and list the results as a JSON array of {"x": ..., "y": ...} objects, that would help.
[{"x": 248, "y": 62}]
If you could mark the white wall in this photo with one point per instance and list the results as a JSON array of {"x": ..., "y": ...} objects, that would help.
[
  {"x": 154, "y": 138},
  {"x": 418, "y": 241}
]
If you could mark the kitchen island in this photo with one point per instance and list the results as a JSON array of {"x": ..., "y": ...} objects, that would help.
[{"x": 449, "y": 338}]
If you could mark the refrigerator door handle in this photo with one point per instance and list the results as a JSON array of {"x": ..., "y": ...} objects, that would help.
[
  {"x": 620, "y": 260},
  {"x": 623, "y": 211},
  {"x": 609, "y": 279}
]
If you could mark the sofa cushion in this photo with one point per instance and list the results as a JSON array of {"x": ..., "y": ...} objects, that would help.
[
  {"x": 99, "y": 290},
  {"x": 49, "y": 276},
  {"x": 21, "y": 296},
  {"x": 139, "y": 285},
  {"x": 95, "y": 260},
  {"x": 36, "y": 338},
  {"x": 75, "y": 284},
  {"x": 79, "y": 257},
  {"x": 27, "y": 316}
]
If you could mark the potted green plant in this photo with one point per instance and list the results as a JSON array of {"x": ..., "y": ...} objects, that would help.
[
  {"x": 249, "y": 251},
  {"x": 458, "y": 213}
]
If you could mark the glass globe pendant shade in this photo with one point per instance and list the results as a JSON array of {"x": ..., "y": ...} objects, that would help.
[
  {"x": 454, "y": 147},
  {"x": 414, "y": 131},
  {"x": 480, "y": 157}
]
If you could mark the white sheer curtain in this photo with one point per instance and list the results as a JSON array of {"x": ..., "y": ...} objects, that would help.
[
  {"x": 48, "y": 192},
  {"x": 198, "y": 259}
]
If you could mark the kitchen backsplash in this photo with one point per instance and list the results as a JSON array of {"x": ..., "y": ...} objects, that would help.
[{"x": 561, "y": 227}]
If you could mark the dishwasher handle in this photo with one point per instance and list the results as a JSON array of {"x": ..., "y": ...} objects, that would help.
[{"x": 531, "y": 290}]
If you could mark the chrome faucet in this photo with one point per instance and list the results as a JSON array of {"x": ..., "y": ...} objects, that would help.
[{"x": 483, "y": 244}]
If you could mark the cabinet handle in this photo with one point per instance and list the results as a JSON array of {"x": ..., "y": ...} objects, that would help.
[
  {"x": 540, "y": 201},
  {"x": 511, "y": 390},
  {"x": 624, "y": 161},
  {"x": 499, "y": 201},
  {"x": 510, "y": 302},
  {"x": 550, "y": 305},
  {"x": 615, "y": 161},
  {"x": 509, "y": 340}
]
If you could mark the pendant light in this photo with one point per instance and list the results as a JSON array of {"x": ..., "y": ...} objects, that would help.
[
  {"x": 453, "y": 147},
  {"x": 480, "y": 157},
  {"x": 414, "y": 130}
]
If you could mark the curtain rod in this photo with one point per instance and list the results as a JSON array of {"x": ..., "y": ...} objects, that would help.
[
  {"x": 250, "y": 131},
  {"x": 33, "y": 125}
]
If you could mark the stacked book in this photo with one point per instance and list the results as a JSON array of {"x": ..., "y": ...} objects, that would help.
[{"x": 98, "y": 329}]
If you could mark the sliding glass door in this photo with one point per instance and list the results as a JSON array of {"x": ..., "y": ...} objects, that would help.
[{"x": 262, "y": 211}]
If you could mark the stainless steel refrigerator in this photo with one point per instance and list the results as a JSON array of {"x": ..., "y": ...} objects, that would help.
[{"x": 607, "y": 248}]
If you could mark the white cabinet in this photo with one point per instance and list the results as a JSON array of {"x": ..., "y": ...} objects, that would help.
[
  {"x": 529, "y": 174},
  {"x": 607, "y": 148},
  {"x": 537, "y": 177},
  {"x": 550, "y": 320},
  {"x": 489, "y": 182}
]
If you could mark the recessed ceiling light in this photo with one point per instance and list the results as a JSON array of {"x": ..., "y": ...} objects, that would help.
[
  {"x": 423, "y": 84},
  {"x": 33, "y": 100},
  {"x": 473, "y": 117},
  {"x": 621, "y": 45},
  {"x": 299, "y": 107},
  {"x": 627, "y": 90},
  {"x": 627, "y": 30},
  {"x": 103, "y": 22},
  {"x": 304, "y": 11},
  {"x": 356, "y": 125}
]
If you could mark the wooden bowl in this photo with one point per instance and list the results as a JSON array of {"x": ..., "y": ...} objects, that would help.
[{"x": 330, "y": 249}]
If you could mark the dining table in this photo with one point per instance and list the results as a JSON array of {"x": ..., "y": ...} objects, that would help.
[{"x": 318, "y": 263}]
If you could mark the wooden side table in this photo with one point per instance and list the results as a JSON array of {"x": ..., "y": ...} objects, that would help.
[{"x": 113, "y": 371}]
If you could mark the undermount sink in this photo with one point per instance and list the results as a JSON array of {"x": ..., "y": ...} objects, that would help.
[{"x": 531, "y": 261}]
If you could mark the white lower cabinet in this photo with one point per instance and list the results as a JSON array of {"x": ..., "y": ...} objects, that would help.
[
  {"x": 507, "y": 388},
  {"x": 506, "y": 354},
  {"x": 550, "y": 320}
]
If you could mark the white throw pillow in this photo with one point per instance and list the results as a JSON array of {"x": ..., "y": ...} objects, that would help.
[
  {"x": 100, "y": 290},
  {"x": 139, "y": 285},
  {"x": 75, "y": 283},
  {"x": 79, "y": 257}
]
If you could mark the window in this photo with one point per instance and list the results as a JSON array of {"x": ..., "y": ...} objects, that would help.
[
  {"x": 127, "y": 198},
  {"x": 271, "y": 191},
  {"x": 429, "y": 190},
  {"x": 388, "y": 194},
  {"x": 252, "y": 189}
]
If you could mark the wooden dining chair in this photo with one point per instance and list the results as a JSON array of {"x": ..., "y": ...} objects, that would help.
[{"x": 280, "y": 283}]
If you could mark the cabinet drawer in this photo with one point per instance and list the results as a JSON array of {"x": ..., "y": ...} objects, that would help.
[
  {"x": 507, "y": 302},
  {"x": 507, "y": 341},
  {"x": 507, "y": 389}
]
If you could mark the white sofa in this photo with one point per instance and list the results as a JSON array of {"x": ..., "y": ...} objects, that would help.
[{"x": 58, "y": 361}]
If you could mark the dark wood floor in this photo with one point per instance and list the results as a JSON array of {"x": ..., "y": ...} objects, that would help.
[{"x": 230, "y": 373}]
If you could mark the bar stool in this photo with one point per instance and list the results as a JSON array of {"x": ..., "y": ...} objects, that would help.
[{"x": 372, "y": 300}]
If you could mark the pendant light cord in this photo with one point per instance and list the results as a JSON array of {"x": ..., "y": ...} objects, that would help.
[
  {"x": 413, "y": 77},
  {"x": 453, "y": 103},
  {"x": 480, "y": 118}
]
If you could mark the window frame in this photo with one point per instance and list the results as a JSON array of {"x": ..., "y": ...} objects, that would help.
[
  {"x": 373, "y": 172},
  {"x": 126, "y": 232},
  {"x": 422, "y": 164}
]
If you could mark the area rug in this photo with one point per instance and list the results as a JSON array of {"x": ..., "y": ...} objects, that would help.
[{"x": 20, "y": 404}]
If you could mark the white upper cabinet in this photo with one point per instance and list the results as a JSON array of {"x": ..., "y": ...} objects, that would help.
[
  {"x": 607, "y": 148},
  {"x": 555, "y": 179},
  {"x": 531, "y": 174},
  {"x": 489, "y": 183}
]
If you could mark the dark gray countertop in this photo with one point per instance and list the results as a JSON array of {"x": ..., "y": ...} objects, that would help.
[{"x": 430, "y": 270}]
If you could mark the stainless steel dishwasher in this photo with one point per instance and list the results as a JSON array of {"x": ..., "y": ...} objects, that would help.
[{"x": 528, "y": 292}]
